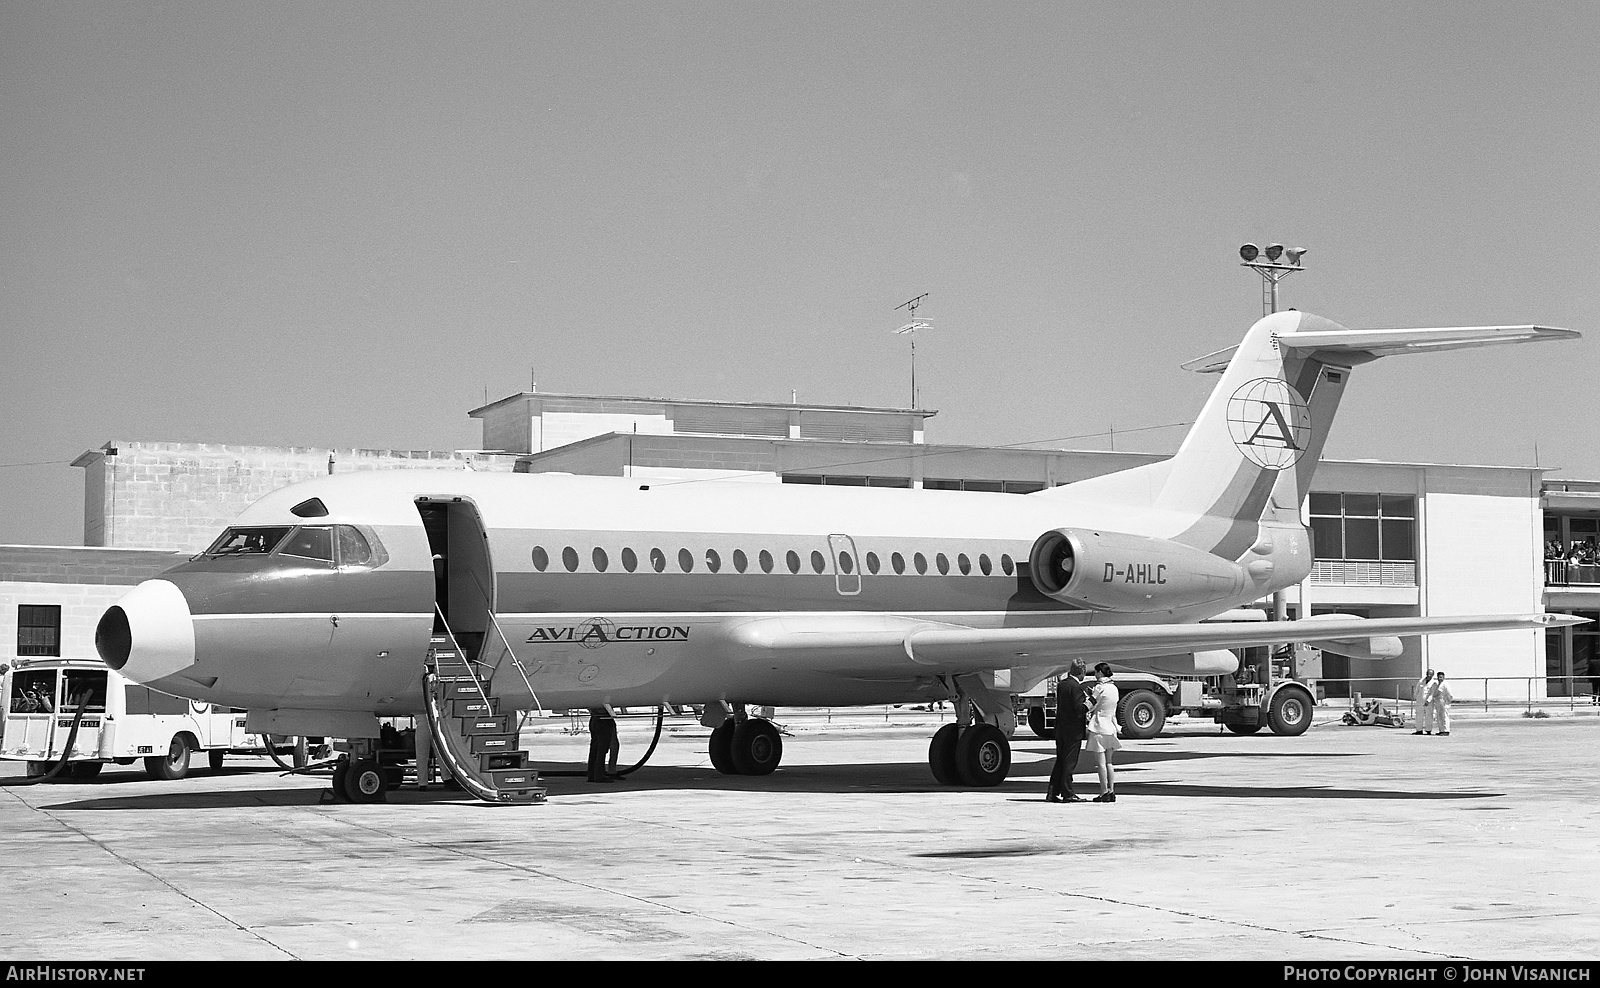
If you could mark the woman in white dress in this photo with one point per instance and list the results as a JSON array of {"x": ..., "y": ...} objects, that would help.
[{"x": 1103, "y": 731}]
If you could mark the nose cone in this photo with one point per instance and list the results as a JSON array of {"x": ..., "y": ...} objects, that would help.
[{"x": 148, "y": 634}]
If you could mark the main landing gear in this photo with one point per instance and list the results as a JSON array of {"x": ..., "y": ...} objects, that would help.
[
  {"x": 972, "y": 751},
  {"x": 741, "y": 744}
]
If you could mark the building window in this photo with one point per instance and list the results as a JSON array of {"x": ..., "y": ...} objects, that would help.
[
  {"x": 39, "y": 629},
  {"x": 1375, "y": 527}
]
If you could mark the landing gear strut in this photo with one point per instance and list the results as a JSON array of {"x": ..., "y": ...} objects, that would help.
[{"x": 972, "y": 752}]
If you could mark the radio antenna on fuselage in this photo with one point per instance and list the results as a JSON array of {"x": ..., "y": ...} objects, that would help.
[{"x": 910, "y": 329}]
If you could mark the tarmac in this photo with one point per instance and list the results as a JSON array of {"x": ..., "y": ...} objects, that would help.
[{"x": 1346, "y": 843}]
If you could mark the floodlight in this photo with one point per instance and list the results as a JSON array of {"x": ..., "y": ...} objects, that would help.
[
  {"x": 1294, "y": 254},
  {"x": 1249, "y": 252},
  {"x": 1274, "y": 252}
]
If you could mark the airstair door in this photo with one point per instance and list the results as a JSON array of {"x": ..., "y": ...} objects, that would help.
[
  {"x": 846, "y": 565},
  {"x": 464, "y": 587}
]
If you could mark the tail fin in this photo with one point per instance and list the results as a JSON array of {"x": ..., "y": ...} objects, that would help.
[{"x": 1260, "y": 435}]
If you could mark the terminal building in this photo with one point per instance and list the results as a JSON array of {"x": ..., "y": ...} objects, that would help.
[{"x": 1390, "y": 539}]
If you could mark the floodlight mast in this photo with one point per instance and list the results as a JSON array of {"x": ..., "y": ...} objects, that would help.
[
  {"x": 1271, "y": 270},
  {"x": 910, "y": 329}
]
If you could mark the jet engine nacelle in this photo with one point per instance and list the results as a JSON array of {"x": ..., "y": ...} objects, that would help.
[
  {"x": 1376, "y": 648},
  {"x": 1114, "y": 571}
]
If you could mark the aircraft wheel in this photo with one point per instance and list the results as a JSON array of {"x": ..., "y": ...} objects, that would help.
[
  {"x": 1143, "y": 715},
  {"x": 1290, "y": 713},
  {"x": 37, "y": 769},
  {"x": 341, "y": 771},
  {"x": 1036, "y": 724},
  {"x": 942, "y": 755},
  {"x": 757, "y": 747},
  {"x": 85, "y": 770},
  {"x": 983, "y": 756},
  {"x": 721, "y": 749},
  {"x": 1243, "y": 728},
  {"x": 214, "y": 757},
  {"x": 364, "y": 782},
  {"x": 172, "y": 766}
]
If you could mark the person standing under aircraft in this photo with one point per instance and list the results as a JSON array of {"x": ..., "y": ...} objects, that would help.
[
  {"x": 1421, "y": 703},
  {"x": 602, "y": 730},
  {"x": 1439, "y": 700},
  {"x": 1103, "y": 731},
  {"x": 1071, "y": 723}
]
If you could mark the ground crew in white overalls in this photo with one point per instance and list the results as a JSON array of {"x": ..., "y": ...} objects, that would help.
[
  {"x": 1439, "y": 703},
  {"x": 1419, "y": 703}
]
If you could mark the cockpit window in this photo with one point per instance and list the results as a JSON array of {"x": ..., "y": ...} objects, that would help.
[
  {"x": 311, "y": 543},
  {"x": 248, "y": 541},
  {"x": 353, "y": 548}
]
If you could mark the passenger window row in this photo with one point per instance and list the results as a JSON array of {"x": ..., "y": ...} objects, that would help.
[{"x": 791, "y": 561}]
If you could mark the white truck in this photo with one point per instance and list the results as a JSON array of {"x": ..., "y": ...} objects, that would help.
[{"x": 122, "y": 721}]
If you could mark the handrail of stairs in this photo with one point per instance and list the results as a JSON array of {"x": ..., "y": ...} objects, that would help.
[
  {"x": 505, "y": 643},
  {"x": 445, "y": 739},
  {"x": 448, "y": 633}
]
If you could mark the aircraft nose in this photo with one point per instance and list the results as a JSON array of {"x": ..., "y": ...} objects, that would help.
[{"x": 148, "y": 634}]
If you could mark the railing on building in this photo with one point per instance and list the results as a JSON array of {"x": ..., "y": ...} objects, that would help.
[
  {"x": 1361, "y": 573},
  {"x": 1565, "y": 573},
  {"x": 1474, "y": 691}
]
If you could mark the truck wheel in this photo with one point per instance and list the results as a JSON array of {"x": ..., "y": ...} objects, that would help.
[
  {"x": 85, "y": 770},
  {"x": 1243, "y": 728},
  {"x": 364, "y": 783},
  {"x": 942, "y": 755},
  {"x": 1142, "y": 716},
  {"x": 983, "y": 756},
  {"x": 1290, "y": 714},
  {"x": 171, "y": 767},
  {"x": 1036, "y": 724},
  {"x": 214, "y": 757},
  {"x": 341, "y": 771}
]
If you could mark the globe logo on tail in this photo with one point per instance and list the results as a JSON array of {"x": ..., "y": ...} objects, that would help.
[{"x": 1269, "y": 423}]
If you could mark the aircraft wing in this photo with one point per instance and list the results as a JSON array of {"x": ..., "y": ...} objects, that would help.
[{"x": 885, "y": 644}]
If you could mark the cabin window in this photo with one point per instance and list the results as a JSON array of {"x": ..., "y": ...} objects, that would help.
[
  {"x": 740, "y": 560},
  {"x": 248, "y": 541},
  {"x": 569, "y": 559},
  {"x": 354, "y": 550},
  {"x": 685, "y": 560},
  {"x": 984, "y": 564},
  {"x": 658, "y": 560},
  {"x": 541, "y": 559},
  {"x": 846, "y": 564},
  {"x": 793, "y": 559},
  {"x": 898, "y": 562},
  {"x": 630, "y": 560},
  {"x": 921, "y": 563},
  {"x": 943, "y": 564},
  {"x": 765, "y": 559},
  {"x": 872, "y": 563},
  {"x": 964, "y": 564},
  {"x": 713, "y": 561},
  {"x": 1005, "y": 564},
  {"x": 310, "y": 543},
  {"x": 600, "y": 560},
  {"x": 38, "y": 629},
  {"x": 817, "y": 562}
]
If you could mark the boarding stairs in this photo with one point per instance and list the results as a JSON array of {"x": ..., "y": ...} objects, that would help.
[{"x": 477, "y": 742}]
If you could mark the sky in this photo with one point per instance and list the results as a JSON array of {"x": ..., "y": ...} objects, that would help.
[{"x": 348, "y": 224}]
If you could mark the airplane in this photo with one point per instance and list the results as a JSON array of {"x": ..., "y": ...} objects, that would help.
[{"x": 335, "y": 601}]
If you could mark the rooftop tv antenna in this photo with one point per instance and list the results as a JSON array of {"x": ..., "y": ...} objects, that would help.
[{"x": 910, "y": 329}]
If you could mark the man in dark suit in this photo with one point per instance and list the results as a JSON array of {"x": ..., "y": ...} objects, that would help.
[
  {"x": 602, "y": 731},
  {"x": 1071, "y": 723}
]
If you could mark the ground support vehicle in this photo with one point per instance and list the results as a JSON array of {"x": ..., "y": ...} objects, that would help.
[
  {"x": 122, "y": 722},
  {"x": 1244, "y": 704}
]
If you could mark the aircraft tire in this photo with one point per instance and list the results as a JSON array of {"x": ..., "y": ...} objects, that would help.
[
  {"x": 341, "y": 771},
  {"x": 1142, "y": 716},
  {"x": 214, "y": 758},
  {"x": 85, "y": 770},
  {"x": 1036, "y": 724},
  {"x": 1290, "y": 713},
  {"x": 942, "y": 755},
  {"x": 721, "y": 749},
  {"x": 757, "y": 747},
  {"x": 1243, "y": 728},
  {"x": 983, "y": 756},
  {"x": 172, "y": 766},
  {"x": 364, "y": 782}
]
